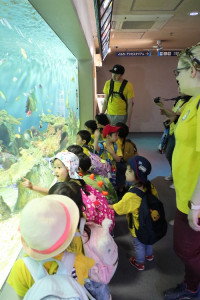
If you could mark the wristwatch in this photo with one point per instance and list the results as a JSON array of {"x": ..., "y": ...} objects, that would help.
[{"x": 193, "y": 206}]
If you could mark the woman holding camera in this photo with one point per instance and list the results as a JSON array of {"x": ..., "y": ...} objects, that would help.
[
  {"x": 186, "y": 175},
  {"x": 172, "y": 118}
]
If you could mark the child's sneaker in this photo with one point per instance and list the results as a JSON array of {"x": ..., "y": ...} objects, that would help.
[
  {"x": 149, "y": 257},
  {"x": 140, "y": 267}
]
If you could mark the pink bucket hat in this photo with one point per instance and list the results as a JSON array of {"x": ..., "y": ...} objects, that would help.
[
  {"x": 71, "y": 162},
  {"x": 48, "y": 225}
]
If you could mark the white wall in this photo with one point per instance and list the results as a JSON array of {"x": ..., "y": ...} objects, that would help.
[{"x": 151, "y": 77}]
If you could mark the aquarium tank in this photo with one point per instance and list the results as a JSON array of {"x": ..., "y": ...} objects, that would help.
[{"x": 39, "y": 113}]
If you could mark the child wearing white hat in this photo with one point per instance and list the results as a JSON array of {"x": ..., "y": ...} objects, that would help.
[{"x": 65, "y": 165}]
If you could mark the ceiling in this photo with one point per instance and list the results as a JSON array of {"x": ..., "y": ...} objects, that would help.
[{"x": 142, "y": 24}]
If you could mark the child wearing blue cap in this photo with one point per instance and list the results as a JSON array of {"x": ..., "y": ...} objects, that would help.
[{"x": 138, "y": 169}]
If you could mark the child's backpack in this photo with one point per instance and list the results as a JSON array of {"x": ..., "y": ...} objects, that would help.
[
  {"x": 152, "y": 222},
  {"x": 129, "y": 150},
  {"x": 97, "y": 208},
  {"x": 99, "y": 165},
  {"x": 102, "y": 248},
  {"x": 104, "y": 154},
  {"x": 59, "y": 286}
]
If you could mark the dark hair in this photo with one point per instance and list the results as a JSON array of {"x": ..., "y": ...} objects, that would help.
[
  {"x": 72, "y": 190},
  {"x": 76, "y": 149},
  {"x": 146, "y": 185},
  {"x": 91, "y": 124},
  {"x": 84, "y": 162},
  {"x": 85, "y": 135},
  {"x": 123, "y": 131},
  {"x": 102, "y": 119}
]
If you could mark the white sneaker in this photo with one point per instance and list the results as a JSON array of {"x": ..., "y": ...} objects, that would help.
[
  {"x": 172, "y": 186},
  {"x": 169, "y": 178}
]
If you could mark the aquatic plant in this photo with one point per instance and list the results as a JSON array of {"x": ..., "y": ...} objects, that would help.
[
  {"x": 53, "y": 120},
  {"x": 31, "y": 156},
  {"x": 6, "y": 119}
]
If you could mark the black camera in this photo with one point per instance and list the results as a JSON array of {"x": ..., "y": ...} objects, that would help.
[
  {"x": 156, "y": 99},
  {"x": 166, "y": 124}
]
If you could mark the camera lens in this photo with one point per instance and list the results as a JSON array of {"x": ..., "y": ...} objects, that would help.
[{"x": 156, "y": 99}]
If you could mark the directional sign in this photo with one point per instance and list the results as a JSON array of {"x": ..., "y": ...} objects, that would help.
[
  {"x": 169, "y": 53},
  {"x": 134, "y": 53}
]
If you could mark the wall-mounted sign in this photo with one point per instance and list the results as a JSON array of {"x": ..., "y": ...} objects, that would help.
[
  {"x": 134, "y": 53},
  {"x": 169, "y": 53},
  {"x": 103, "y": 13}
]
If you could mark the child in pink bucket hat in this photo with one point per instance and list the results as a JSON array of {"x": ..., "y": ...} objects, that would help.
[{"x": 48, "y": 226}]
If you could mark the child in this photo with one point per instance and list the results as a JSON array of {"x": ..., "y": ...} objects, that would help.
[
  {"x": 99, "y": 182},
  {"x": 76, "y": 149},
  {"x": 138, "y": 169},
  {"x": 128, "y": 150},
  {"x": 39, "y": 219},
  {"x": 108, "y": 149},
  {"x": 82, "y": 139},
  {"x": 101, "y": 120},
  {"x": 73, "y": 190},
  {"x": 66, "y": 166},
  {"x": 91, "y": 126}
]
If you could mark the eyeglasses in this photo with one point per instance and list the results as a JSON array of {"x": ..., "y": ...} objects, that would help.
[{"x": 177, "y": 71}]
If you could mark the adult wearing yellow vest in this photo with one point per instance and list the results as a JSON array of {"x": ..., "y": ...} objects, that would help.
[{"x": 119, "y": 97}]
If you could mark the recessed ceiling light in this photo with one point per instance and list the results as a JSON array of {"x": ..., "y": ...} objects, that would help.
[{"x": 193, "y": 13}]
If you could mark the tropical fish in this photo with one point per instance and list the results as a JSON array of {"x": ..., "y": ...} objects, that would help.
[
  {"x": 40, "y": 85},
  {"x": 29, "y": 112},
  {"x": 16, "y": 99},
  {"x": 23, "y": 52},
  {"x": 40, "y": 124},
  {"x": 72, "y": 79},
  {"x": 27, "y": 136},
  {"x": 19, "y": 129},
  {"x": 31, "y": 103},
  {"x": 10, "y": 144},
  {"x": 2, "y": 95},
  {"x": 49, "y": 110},
  {"x": 17, "y": 135},
  {"x": 14, "y": 79}
]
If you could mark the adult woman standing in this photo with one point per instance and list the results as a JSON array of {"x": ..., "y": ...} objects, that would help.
[{"x": 186, "y": 175}]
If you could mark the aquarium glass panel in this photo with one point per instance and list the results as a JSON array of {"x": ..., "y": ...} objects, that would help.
[{"x": 39, "y": 113}]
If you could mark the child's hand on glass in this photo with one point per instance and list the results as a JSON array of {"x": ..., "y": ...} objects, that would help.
[{"x": 27, "y": 183}]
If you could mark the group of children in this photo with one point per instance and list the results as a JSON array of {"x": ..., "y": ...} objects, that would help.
[{"x": 48, "y": 225}]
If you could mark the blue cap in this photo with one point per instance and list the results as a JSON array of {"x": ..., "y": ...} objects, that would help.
[{"x": 141, "y": 166}]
